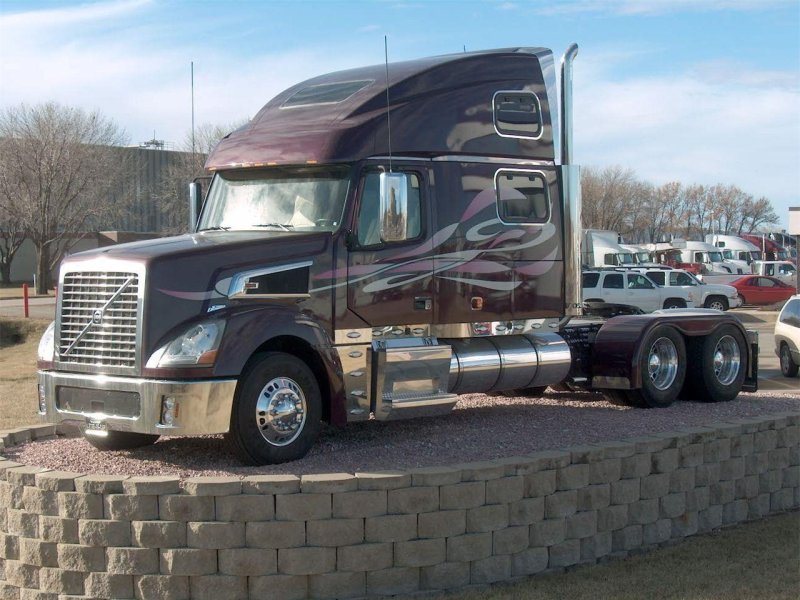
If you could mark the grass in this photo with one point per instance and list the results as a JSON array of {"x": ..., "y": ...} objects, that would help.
[
  {"x": 752, "y": 561},
  {"x": 19, "y": 339},
  {"x": 13, "y": 291}
]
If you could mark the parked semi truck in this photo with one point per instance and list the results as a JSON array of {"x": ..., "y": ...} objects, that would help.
[
  {"x": 602, "y": 248},
  {"x": 373, "y": 243}
]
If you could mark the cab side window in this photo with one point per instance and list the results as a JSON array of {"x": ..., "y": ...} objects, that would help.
[
  {"x": 658, "y": 277},
  {"x": 405, "y": 221},
  {"x": 613, "y": 281}
]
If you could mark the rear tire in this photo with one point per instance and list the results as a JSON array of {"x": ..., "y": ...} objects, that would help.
[
  {"x": 717, "y": 365},
  {"x": 277, "y": 411},
  {"x": 789, "y": 368},
  {"x": 717, "y": 303},
  {"x": 121, "y": 440},
  {"x": 663, "y": 367}
]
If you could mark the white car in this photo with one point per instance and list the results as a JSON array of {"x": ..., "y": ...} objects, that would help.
[
  {"x": 708, "y": 295},
  {"x": 787, "y": 336},
  {"x": 626, "y": 286}
]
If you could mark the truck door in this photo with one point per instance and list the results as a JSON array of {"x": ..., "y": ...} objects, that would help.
[{"x": 390, "y": 268}]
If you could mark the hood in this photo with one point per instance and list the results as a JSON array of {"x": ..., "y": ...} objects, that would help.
[
  {"x": 188, "y": 276},
  {"x": 193, "y": 244}
]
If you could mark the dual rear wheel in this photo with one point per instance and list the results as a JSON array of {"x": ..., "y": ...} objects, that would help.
[{"x": 710, "y": 368}]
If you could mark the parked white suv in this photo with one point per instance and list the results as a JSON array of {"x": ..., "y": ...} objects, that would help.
[
  {"x": 632, "y": 288},
  {"x": 708, "y": 295},
  {"x": 787, "y": 336}
]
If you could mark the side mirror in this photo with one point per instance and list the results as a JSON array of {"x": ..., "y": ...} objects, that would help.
[
  {"x": 394, "y": 206},
  {"x": 195, "y": 204}
]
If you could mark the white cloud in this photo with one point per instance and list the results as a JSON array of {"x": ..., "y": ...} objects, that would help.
[
  {"x": 741, "y": 128},
  {"x": 73, "y": 15},
  {"x": 136, "y": 72}
]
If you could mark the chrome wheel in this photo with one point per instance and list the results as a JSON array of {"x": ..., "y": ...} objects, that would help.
[
  {"x": 727, "y": 360},
  {"x": 281, "y": 411},
  {"x": 662, "y": 363},
  {"x": 716, "y": 305}
]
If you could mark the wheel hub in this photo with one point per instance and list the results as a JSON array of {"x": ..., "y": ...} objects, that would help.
[
  {"x": 662, "y": 363},
  {"x": 727, "y": 360},
  {"x": 281, "y": 411}
]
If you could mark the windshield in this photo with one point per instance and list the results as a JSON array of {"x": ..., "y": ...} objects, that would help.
[
  {"x": 283, "y": 199},
  {"x": 755, "y": 254},
  {"x": 715, "y": 257},
  {"x": 625, "y": 259},
  {"x": 643, "y": 257},
  {"x": 728, "y": 254}
]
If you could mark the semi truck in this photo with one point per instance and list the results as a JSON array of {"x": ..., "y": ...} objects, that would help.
[
  {"x": 602, "y": 248},
  {"x": 373, "y": 243}
]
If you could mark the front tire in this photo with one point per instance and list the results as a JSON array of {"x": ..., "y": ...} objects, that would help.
[
  {"x": 277, "y": 411},
  {"x": 717, "y": 303},
  {"x": 121, "y": 440},
  {"x": 789, "y": 368},
  {"x": 717, "y": 365},
  {"x": 663, "y": 367}
]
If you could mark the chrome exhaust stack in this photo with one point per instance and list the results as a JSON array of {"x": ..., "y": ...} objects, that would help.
[{"x": 571, "y": 178}]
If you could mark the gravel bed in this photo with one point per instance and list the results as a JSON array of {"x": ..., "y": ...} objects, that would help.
[{"x": 481, "y": 427}]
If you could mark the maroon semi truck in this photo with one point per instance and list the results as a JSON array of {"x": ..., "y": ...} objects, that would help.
[{"x": 373, "y": 243}]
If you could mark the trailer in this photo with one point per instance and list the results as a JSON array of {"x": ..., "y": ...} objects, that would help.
[{"x": 373, "y": 243}]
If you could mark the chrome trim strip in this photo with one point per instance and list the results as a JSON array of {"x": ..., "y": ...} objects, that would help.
[
  {"x": 205, "y": 405},
  {"x": 538, "y": 108},
  {"x": 467, "y": 158},
  {"x": 237, "y": 291},
  {"x": 343, "y": 337},
  {"x": 354, "y": 337}
]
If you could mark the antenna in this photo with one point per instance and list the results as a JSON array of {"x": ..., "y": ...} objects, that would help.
[
  {"x": 193, "y": 147},
  {"x": 388, "y": 109}
]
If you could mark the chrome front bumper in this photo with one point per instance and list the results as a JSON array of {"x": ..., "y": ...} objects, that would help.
[{"x": 203, "y": 406}]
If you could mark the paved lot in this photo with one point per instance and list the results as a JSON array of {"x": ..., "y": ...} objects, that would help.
[{"x": 770, "y": 377}]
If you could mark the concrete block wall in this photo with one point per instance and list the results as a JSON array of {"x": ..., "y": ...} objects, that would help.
[{"x": 341, "y": 535}]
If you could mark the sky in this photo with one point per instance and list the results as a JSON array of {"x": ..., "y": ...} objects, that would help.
[{"x": 696, "y": 91}]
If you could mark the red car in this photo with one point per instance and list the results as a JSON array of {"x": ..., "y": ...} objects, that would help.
[{"x": 760, "y": 289}]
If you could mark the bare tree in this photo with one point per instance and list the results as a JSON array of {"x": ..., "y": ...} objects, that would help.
[
  {"x": 609, "y": 197},
  {"x": 12, "y": 236},
  {"x": 757, "y": 213},
  {"x": 59, "y": 164},
  {"x": 172, "y": 193}
]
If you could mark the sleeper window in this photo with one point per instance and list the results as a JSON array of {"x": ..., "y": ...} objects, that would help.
[{"x": 522, "y": 197}]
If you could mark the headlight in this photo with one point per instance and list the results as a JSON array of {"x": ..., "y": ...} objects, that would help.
[
  {"x": 46, "y": 353},
  {"x": 196, "y": 346}
]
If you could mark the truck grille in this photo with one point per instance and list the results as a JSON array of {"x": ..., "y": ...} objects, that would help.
[{"x": 99, "y": 318}]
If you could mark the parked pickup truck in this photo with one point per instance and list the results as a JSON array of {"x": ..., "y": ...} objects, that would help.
[
  {"x": 615, "y": 286},
  {"x": 708, "y": 295}
]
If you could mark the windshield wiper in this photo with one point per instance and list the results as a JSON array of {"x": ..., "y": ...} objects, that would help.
[
  {"x": 284, "y": 227},
  {"x": 214, "y": 228}
]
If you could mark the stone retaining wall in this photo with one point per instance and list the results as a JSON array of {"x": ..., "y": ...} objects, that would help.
[{"x": 66, "y": 535}]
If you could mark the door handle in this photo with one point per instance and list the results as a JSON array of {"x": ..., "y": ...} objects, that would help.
[{"x": 423, "y": 303}]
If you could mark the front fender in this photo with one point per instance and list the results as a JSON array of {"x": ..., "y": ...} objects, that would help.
[
  {"x": 617, "y": 349},
  {"x": 253, "y": 328}
]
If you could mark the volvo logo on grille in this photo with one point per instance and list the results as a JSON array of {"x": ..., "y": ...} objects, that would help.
[{"x": 97, "y": 317}]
